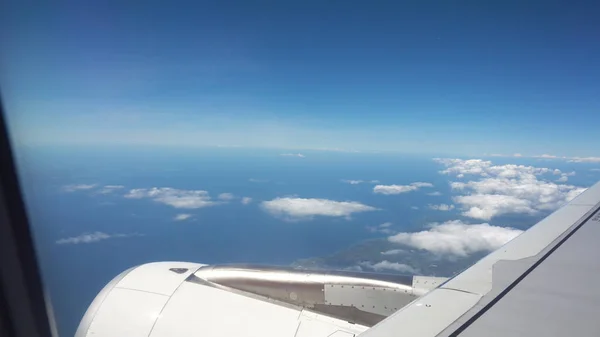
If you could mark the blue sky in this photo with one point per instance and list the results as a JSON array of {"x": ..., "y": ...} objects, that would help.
[{"x": 417, "y": 77}]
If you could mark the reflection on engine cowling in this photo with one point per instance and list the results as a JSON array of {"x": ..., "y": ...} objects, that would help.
[{"x": 357, "y": 297}]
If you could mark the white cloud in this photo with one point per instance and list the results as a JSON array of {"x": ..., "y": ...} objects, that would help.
[
  {"x": 595, "y": 169},
  {"x": 584, "y": 159},
  {"x": 394, "y": 189},
  {"x": 188, "y": 199},
  {"x": 422, "y": 184},
  {"x": 435, "y": 194},
  {"x": 254, "y": 180},
  {"x": 383, "y": 228},
  {"x": 299, "y": 208},
  {"x": 393, "y": 252},
  {"x": 353, "y": 182},
  {"x": 78, "y": 187},
  {"x": 551, "y": 156},
  {"x": 182, "y": 216},
  {"x": 356, "y": 182},
  {"x": 387, "y": 265},
  {"x": 565, "y": 176},
  {"x": 299, "y": 155},
  {"x": 441, "y": 207},
  {"x": 226, "y": 196},
  {"x": 495, "y": 196},
  {"x": 462, "y": 167},
  {"x": 398, "y": 189},
  {"x": 487, "y": 206},
  {"x": 504, "y": 189},
  {"x": 414, "y": 207},
  {"x": 92, "y": 237},
  {"x": 110, "y": 189},
  {"x": 457, "y": 238},
  {"x": 246, "y": 200}
]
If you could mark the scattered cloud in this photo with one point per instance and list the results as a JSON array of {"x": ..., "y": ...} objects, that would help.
[
  {"x": 107, "y": 189},
  {"x": 383, "y": 228},
  {"x": 353, "y": 182},
  {"x": 551, "y": 156},
  {"x": 414, "y": 207},
  {"x": 422, "y": 184},
  {"x": 595, "y": 169},
  {"x": 393, "y": 252},
  {"x": 254, "y": 180},
  {"x": 78, "y": 187},
  {"x": 334, "y": 149},
  {"x": 435, "y": 194},
  {"x": 565, "y": 176},
  {"x": 457, "y": 238},
  {"x": 299, "y": 155},
  {"x": 301, "y": 208},
  {"x": 226, "y": 196},
  {"x": 398, "y": 189},
  {"x": 504, "y": 189},
  {"x": 584, "y": 159},
  {"x": 387, "y": 265},
  {"x": 356, "y": 182},
  {"x": 246, "y": 200},
  {"x": 188, "y": 199},
  {"x": 441, "y": 207},
  {"x": 182, "y": 216},
  {"x": 487, "y": 206},
  {"x": 92, "y": 237}
]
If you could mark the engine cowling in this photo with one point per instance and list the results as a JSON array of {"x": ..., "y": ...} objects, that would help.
[{"x": 183, "y": 299}]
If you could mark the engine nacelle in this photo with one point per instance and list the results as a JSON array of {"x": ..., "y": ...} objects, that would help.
[{"x": 183, "y": 299}]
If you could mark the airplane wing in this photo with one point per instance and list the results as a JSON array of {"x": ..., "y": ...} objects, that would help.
[{"x": 544, "y": 282}]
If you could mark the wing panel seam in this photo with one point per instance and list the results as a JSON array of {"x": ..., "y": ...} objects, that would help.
[{"x": 483, "y": 310}]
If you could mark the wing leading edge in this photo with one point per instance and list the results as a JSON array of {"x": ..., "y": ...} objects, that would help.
[{"x": 544, "y": 282}]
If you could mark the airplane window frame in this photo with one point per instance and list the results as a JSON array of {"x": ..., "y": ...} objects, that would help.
[{"x": 23, "y": 308}]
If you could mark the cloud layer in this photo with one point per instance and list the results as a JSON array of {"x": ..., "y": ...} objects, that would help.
[
  {"x": 356, "y": 182},
  {"x": 505, "y": 189},
  {"x": 387, "y": 265},
  {"x": 182, "y": 217},
  {"x": 92, "y": 237},
  {"x": 301, "y": 208},
  {"x": 383, "y": 228},
  {"x": 584, "y": 160},
  {"x": 398, "y": 189},
  {"x": 78, "y": 187},
  {"x": 107, "y": 189},
  {"x": 441, "y": 207},
  {"x": 226, "y": 196},
  {"x": 187, "y": 199},
  {"x": 457, "y": 238}
]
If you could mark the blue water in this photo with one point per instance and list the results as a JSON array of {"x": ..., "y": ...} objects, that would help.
[{"x": 221, "y": 234}]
